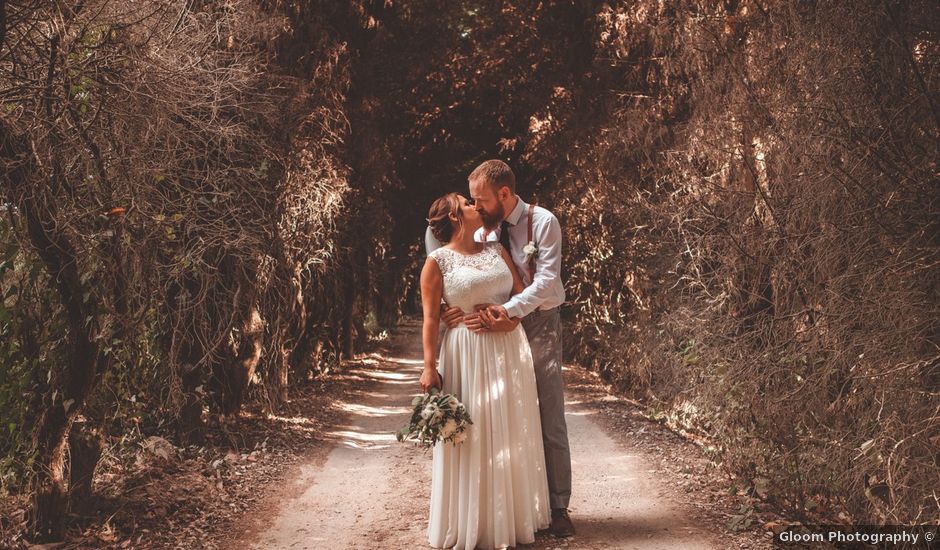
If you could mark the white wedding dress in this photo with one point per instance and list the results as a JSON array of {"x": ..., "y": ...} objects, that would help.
[{"x": 491, "y": 491}]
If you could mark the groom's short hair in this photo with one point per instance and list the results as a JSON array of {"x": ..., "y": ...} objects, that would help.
[{"x": 497, "y": 173}]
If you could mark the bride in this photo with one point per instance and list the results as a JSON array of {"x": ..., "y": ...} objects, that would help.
[{"x": 490, "y": 491}]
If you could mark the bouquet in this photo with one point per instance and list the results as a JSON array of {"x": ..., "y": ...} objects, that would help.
[{"x": 436, "y": 417}]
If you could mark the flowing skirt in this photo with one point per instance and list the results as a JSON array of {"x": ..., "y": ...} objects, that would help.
[{"x": 490, "y": 491}]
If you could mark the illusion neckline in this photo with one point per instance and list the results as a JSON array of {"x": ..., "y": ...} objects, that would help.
[{"x": 482, "y": 250}]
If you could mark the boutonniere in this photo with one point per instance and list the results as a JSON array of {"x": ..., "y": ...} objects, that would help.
[{"x": 530, "y": 250}]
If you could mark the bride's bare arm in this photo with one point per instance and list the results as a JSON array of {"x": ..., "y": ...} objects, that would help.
[{"x": 432, "y": 288}]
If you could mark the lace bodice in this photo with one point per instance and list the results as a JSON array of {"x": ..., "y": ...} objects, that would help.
[{"x": 482, "y": 278}]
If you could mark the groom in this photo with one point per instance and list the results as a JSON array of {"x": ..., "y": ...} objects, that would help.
[{"x": 532, "y": 236}]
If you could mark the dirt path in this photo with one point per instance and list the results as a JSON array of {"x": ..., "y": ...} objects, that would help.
[{"x": 372, "y": 492}]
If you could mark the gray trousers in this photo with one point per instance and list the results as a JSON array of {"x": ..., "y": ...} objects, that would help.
[{"x": 543, "y": 329}]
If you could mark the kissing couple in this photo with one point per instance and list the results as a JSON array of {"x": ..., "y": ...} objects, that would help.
[{"x": 493, "y": 277}]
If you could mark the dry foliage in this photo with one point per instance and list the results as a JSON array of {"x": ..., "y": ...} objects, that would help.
[
  {"x": 171, "y": 194},
  {"x": 753, "y": 238},
  {"x": 208, "y": 197}
]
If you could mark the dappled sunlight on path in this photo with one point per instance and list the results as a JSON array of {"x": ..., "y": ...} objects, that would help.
[
  {"x": 352, "y": 501},
  {"x": 373, "y": 492},
  {"x": 615, "y": 502}
]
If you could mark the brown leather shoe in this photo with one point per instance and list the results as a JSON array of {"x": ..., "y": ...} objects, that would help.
[{"x": 561, "y": 523}]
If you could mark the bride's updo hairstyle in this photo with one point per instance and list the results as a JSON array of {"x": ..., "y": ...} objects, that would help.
[{"x": 439, "y": 217}]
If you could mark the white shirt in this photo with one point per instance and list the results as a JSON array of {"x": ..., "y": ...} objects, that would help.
[{"x": 547, "y": 291}]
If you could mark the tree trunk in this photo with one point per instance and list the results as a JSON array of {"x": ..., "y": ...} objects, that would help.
[
  {"x": 186, "y": 353},
  {"x": 238, "y": 371},
  {"x": 348, "y": 336},
  {"x": 77, "y": 376},
  {"x": 47, "y": 515},
  {"x": 280, "y": 376},
  {"x": 190, "y": 428},
  {"x": 317, "y": 358},
  {"x": 278, "y": 368},
  {"x": 72, "y": 384},
  {"x": 85, "y": 448}
]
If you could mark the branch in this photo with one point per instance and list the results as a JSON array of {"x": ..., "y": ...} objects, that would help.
[{"x": 3, "y": 21}]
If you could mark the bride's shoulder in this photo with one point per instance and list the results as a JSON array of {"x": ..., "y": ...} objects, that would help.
[
  {"x": 442, "y": 252},
  {"x": 441, "y": 256}
]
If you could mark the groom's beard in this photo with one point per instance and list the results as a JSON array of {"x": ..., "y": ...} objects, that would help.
[{"x": 492, "y": 221}]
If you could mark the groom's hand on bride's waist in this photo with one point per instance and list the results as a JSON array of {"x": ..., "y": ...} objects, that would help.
[
  {"x": 498, "y": 319},
  {"x": 489, "y": 318},
  {"x": 493, "y": 310},
  {"x": 452, "y": 316},
  {"x": 474, "y": 322}
]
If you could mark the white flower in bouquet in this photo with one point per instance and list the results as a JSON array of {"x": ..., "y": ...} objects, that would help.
[
  {"x": 448, "y": 428},
  {"x": 436, "y": 417},
  {"x": 431, "y": 412}
]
